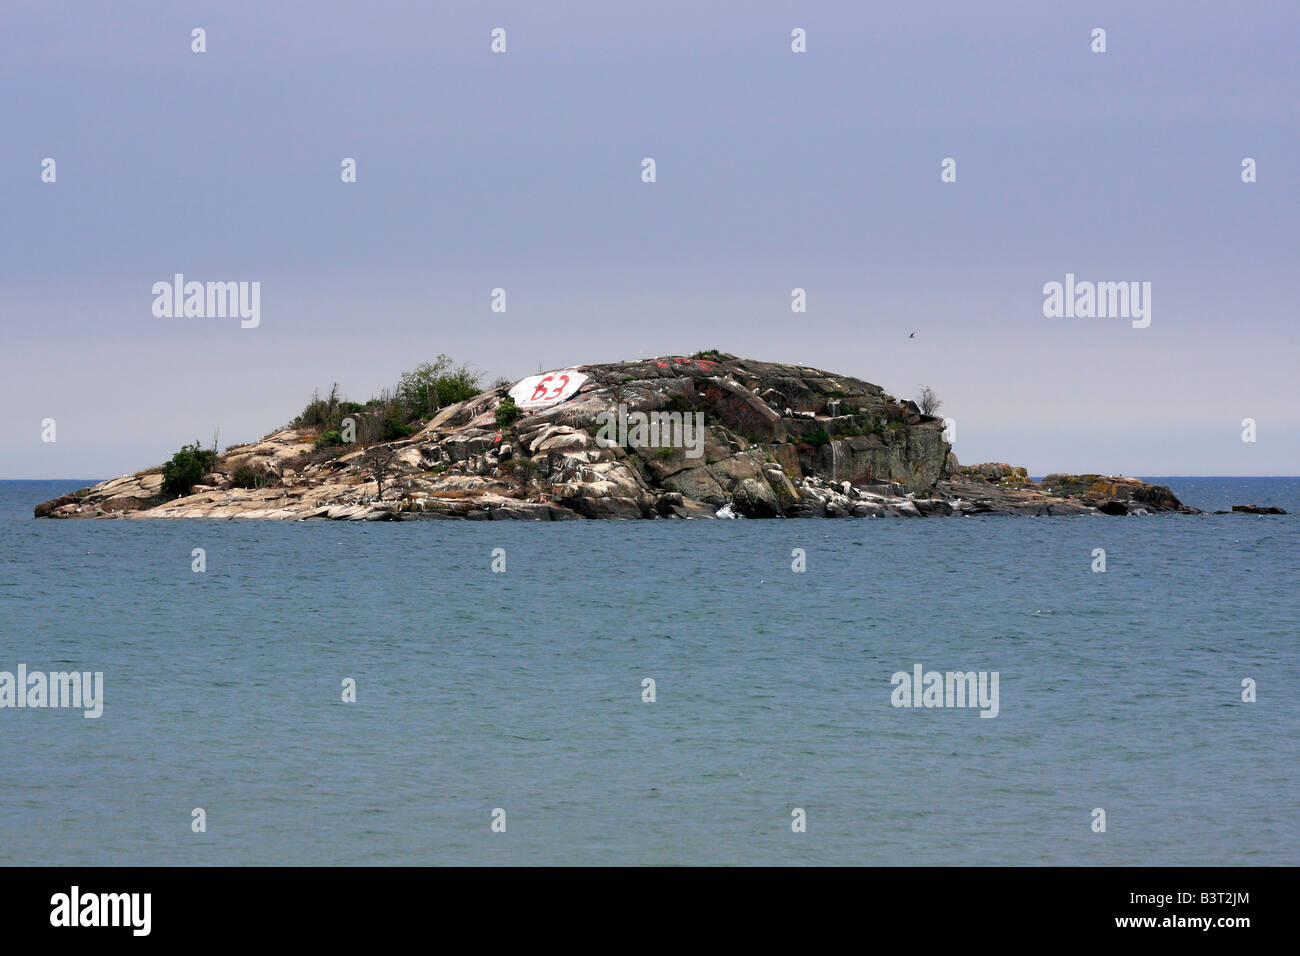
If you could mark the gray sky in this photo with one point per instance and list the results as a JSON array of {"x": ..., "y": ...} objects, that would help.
[{"x": 775, "y": 170}]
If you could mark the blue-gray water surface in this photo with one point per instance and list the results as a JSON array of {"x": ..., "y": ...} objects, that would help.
[{"x": 522, "y": 690}]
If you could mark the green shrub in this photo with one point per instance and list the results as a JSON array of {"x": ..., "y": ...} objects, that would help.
[
  {"x": 456, "y": 387},
  {"x": 395, "y": 428},
  {"x": 434, "y": 385},
  {"x": 246, "y": 476},
  {"x": 186, "y": 467},
  {"x": 420, "y": 393},
  {"x": 508, "y": 413},
  {"x": 319, "y": 412},
  {"x": 816, "y": 438},
  {"x": 329, "y": 439}
]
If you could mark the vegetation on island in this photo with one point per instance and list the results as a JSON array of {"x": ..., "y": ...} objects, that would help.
[
  {"x": 508, "y": 412},
  {"x": 186, "y": 468},
  {"x": 393, "y": 414}
]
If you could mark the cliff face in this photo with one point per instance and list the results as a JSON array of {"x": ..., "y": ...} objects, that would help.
[{"x": 686, "y": 437}]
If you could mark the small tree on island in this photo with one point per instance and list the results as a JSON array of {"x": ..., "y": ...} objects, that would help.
[
  {"x": 186, "y": 468},
  {"x": 928, "y": 402},
  {"x": 434, "y": 385},
  {"x": 508, "y": 413},
  {"x": 381, "y": 462}
]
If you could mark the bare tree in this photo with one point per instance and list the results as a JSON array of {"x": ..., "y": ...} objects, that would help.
[
  {"x": 928, "y": 402},
  {"x": 381, "y": 463}
]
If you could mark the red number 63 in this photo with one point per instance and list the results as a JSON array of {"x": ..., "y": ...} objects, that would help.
[{"x": 540, "y": 393}]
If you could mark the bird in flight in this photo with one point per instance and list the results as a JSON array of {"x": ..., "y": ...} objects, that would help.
[{"x": 912, "y": 336}]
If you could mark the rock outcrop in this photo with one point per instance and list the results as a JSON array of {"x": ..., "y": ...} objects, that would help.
[{"x": 775, "y": 441}]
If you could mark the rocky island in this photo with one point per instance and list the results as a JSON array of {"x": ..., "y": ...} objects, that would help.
[{"x": 707, "y": 436}]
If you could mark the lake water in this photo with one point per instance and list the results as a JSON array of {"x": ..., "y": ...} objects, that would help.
[{"x": 523, "y": 690}]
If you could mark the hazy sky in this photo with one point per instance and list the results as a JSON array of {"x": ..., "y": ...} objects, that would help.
[{"x": 775, "y": 170}]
